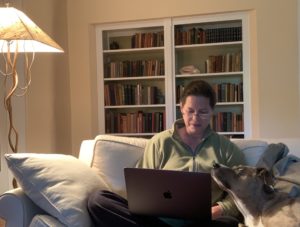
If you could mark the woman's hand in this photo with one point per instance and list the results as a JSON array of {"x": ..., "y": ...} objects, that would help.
[{"x": 216, "y": 212}]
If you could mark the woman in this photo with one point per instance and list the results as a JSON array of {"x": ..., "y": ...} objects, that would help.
[{"x": 191, "y": 145}]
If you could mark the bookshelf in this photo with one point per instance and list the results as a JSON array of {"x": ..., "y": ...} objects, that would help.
[
  {"x": 143, "y": 66},
  {"x": 133, "y": 77},
  {"x": 217, "y": 48}
]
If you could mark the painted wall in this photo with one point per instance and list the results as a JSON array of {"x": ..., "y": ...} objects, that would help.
[
  {"x": 274, "y": 57},
  {"x": 48, "y": 124}
]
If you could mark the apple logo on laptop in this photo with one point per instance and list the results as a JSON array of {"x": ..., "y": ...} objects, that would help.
[{"x": 167, "y": 194}]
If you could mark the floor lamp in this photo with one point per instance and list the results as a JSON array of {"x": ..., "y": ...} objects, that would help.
[{"x": 19, "y": 34}]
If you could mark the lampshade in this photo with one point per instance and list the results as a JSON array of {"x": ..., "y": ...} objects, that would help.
[{"x": 17, "y": 30}]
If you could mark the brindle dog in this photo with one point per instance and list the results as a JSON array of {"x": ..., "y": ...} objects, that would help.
[{"x": 252, "y": 191}]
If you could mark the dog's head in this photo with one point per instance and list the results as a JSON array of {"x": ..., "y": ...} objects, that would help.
[{"x": 244, "y": 181}]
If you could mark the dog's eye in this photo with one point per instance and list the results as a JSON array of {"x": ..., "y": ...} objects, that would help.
[
  {"x": 237, "y": 171},
  {"x": 240, "y": 171}
]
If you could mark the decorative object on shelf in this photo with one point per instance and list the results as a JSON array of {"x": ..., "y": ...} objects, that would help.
[
  {"x": 189, "y": 69},
  {"x": 114, "y": 45},
  {"x": 19, "y": 34}
]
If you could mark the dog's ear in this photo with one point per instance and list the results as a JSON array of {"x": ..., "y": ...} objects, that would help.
[
  {"x": 261, "y": 171},
  {"x": 266, "y": 176},
  {"x": 268, "y": 180},
  {"x": 268, "y": 189}
]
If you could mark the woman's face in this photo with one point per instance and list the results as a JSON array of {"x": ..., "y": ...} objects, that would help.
[{"x": 196, "y": 113}]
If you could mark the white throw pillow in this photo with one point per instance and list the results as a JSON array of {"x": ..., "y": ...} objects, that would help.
[
  {"x": 59, "y": 184},
  {"x": 252, "y": 149},
  {"x": 112, "y": 155}
]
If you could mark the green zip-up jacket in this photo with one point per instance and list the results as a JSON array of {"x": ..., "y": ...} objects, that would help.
[{"x": 166, "y": 150}]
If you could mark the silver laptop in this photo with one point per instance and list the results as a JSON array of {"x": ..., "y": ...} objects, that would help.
[{"x": 168, "y": 193}]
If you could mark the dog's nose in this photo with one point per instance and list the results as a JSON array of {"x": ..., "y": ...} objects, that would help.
[{"x": 216, "y": 165}]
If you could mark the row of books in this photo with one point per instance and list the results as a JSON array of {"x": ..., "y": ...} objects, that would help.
[
  {"x": 131, "y": 94},
  {"x": 225, "y": 92},
  {"x": 227, "y": 122},
  {"x": 134, "y": 68},
  {"x": 228, "y": 92},
  {"x": 152, "y": 122},
  {"x": 136, "y": 122},
  {"x": 230, "y": 62},
  {"x": 149, "y": 39},
  {"x": 212, "y": 35}
]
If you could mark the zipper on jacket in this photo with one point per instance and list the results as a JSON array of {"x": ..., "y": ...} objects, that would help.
[
  {"x": 194, "y": 162},
  {"x": 195, "y": 169}
]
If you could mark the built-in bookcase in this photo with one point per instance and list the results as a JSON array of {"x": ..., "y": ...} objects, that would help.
[
  {"x": 143, "y": 67},
  {"x": 132, "y": 77}
]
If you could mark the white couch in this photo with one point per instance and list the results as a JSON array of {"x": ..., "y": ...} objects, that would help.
[{"x": 107, "y": 156}]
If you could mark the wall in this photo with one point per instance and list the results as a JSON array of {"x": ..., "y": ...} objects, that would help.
[
  {"x": 298, "y": 26},
  {"x": 48, "y": 100},
  {"x": 274, "y": 57}
]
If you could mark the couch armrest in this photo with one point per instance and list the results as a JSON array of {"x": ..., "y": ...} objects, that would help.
[
  {"x": 17, "y": 209},
  {"x": 86, "y": 153}
]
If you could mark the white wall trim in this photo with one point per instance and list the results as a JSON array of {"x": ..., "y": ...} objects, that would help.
[{"x": 298, "y": 27}]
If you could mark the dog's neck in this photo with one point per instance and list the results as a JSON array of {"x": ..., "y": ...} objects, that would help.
[
  {"x": 251, "y": 216},
  {"x": 251, "y": 211}
]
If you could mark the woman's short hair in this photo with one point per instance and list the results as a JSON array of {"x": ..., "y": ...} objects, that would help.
[{"x": 199, "y": 88}]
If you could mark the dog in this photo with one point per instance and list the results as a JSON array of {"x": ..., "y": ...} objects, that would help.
[{"x": 252, "y": 191}]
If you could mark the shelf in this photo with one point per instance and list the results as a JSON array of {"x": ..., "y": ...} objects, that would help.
[
  {"x": 134, "y": 50},
  {"x": 135, "y": 106},
  {"x": 229, "y": 103},
  {"x": 143, "y": 134},
  {"x": 240, "y": 73},
  {"x": 224, "y": 104},
  {"x": 233, "y": 135},
  {"x": 135, "y": 78},
  {"x": 151, "y": 134},
  {"x": 203, "y": 45}
]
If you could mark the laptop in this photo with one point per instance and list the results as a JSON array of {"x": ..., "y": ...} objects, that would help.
[{"x": 168, "y": 193}]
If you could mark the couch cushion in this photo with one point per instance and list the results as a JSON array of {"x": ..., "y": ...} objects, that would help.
[
  {"x": 112, "y": 154},
  {"x": 59, "y": 184},
  {"x": 253, "y": 149}
]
